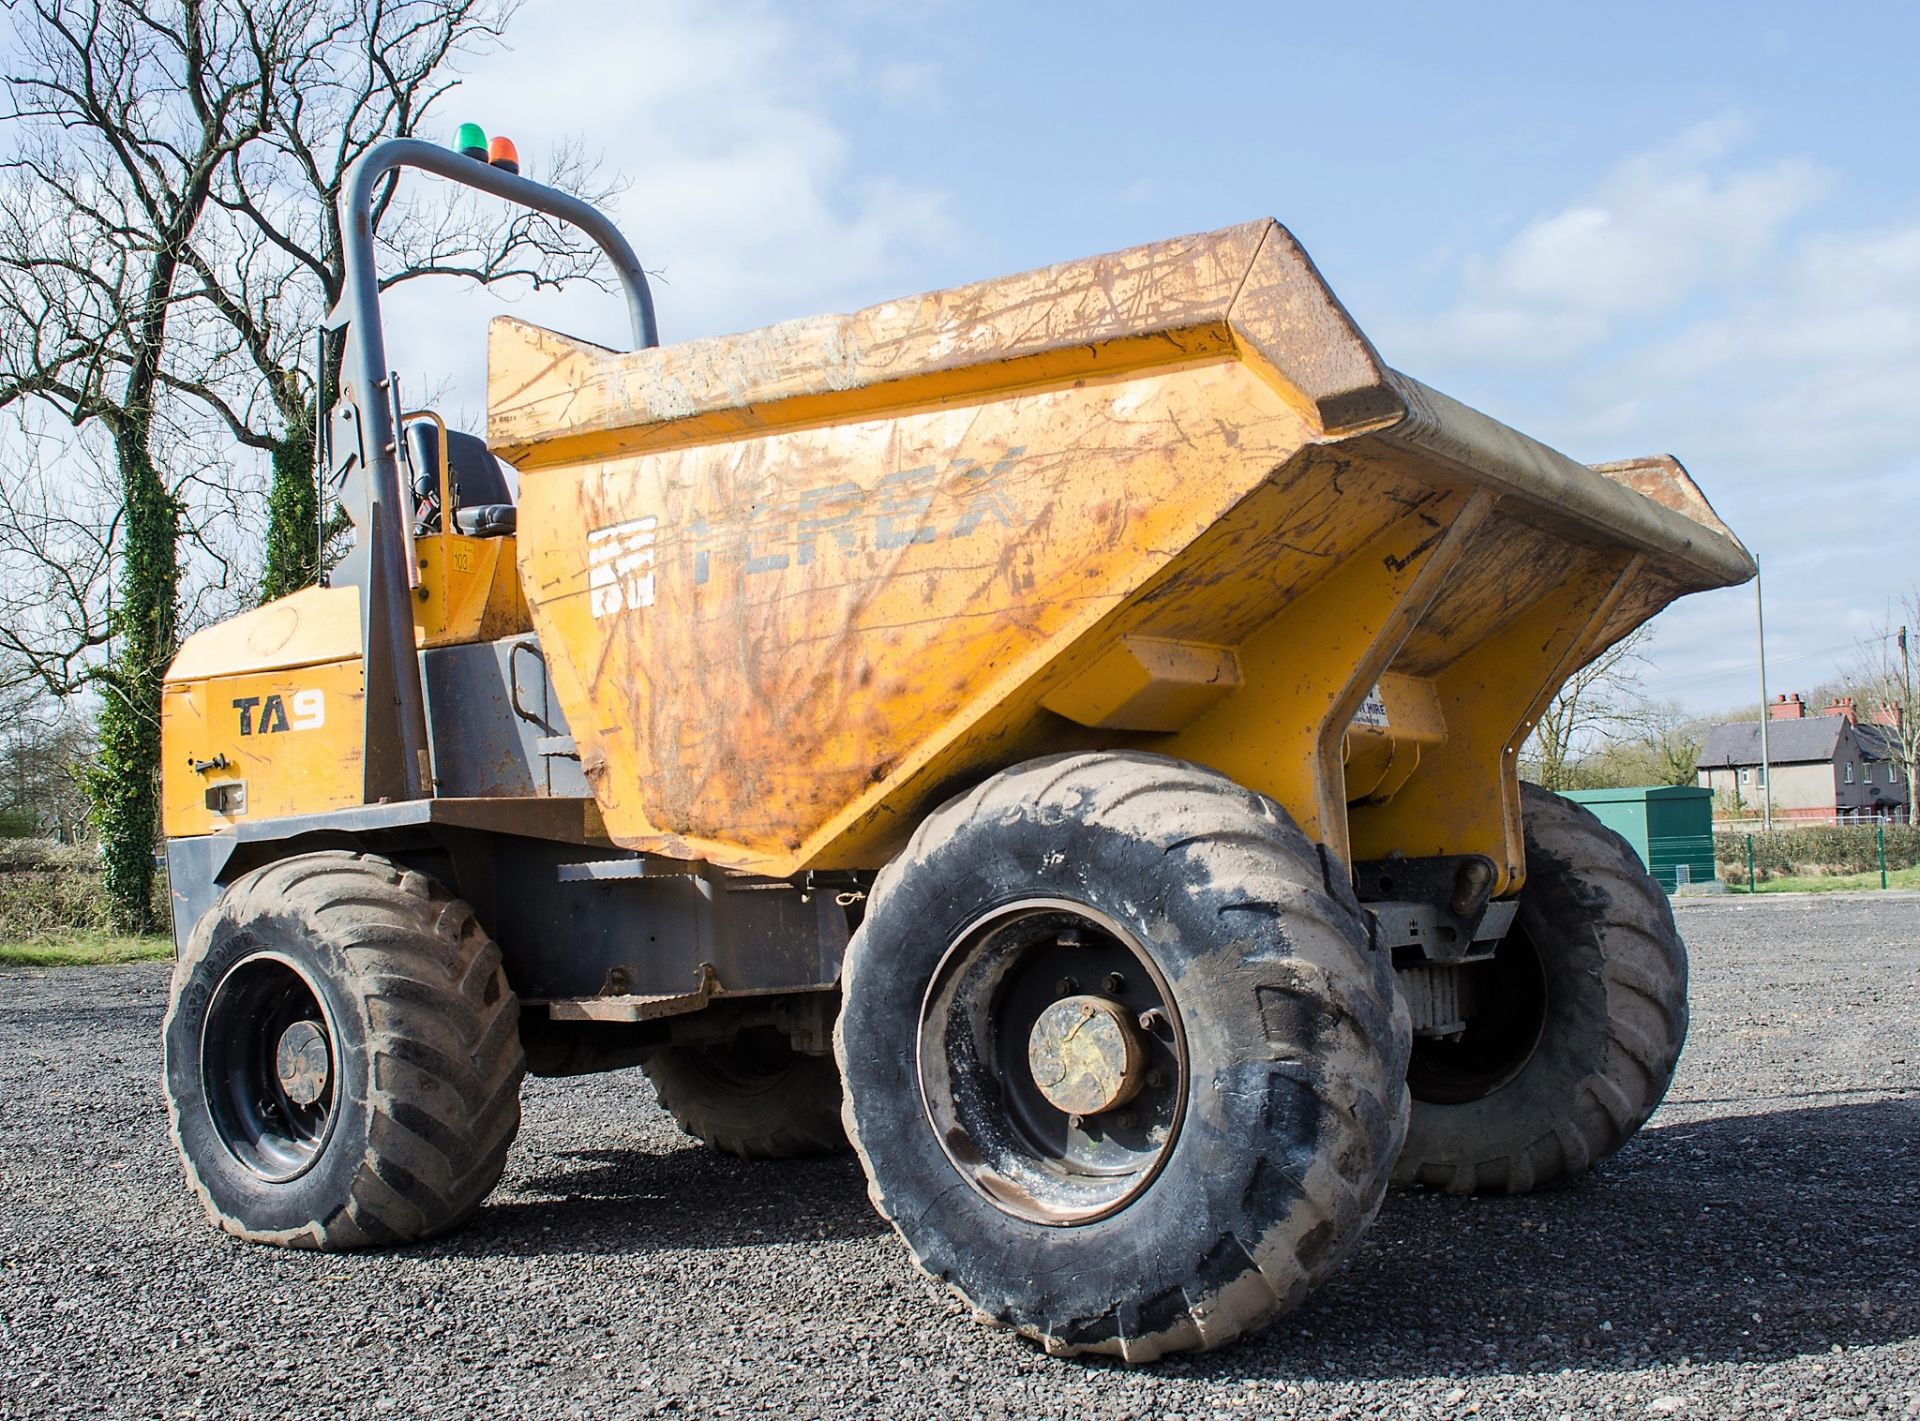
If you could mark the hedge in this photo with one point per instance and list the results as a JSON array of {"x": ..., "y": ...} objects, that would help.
[
  {"x": 48, "y": 890},
  {"x": 1815, "y": 851}
]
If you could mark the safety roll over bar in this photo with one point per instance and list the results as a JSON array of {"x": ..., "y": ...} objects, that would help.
[{"x": 364, "y": 433}]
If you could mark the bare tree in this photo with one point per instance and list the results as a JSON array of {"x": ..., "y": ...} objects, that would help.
[
  {"x": 120, "y": 120},
  {"x": 1886, "y": 690},
  {"x": 59, "y": 516},
  {"x": 1600, "y": 705},
  {"x": 1657, "y": 744},
  {"x": 271, "y": 264},
  {"x": 167, "y": 239},
  {"x": 45, "y": 747},
  {"x": 1673, "y": 738}
]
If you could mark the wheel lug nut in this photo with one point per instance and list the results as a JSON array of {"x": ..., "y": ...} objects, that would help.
[
  {"x": 1125, "y": 1120},
  {"x": 1156, "y": 1078},
  {"x": 1066, "y": 986},
  {"x": 1116, "y": 983},
  {"x": 1074, "y": 1121},
  {"x": 1152, "y": 1019}
]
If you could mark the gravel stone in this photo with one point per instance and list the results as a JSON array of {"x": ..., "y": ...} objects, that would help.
[{"x": 1754, "y": 1252}]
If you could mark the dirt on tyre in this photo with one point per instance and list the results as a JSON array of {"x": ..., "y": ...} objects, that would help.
[
  {"x": 343, "y": 1059},
  {"x": 754, "y": 1096},
  {"x": 1581, "y": 1018},
  {"x": 1121, "y": 1069}
]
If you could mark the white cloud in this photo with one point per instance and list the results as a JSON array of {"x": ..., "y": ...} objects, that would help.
[
  {"x": 1791, "y": 402},
  {"x": 742, "y": 193},
  {"x": 909, "y": 82},
  {"x": 1809, "y": 368},
  {"x": 1660, "y": 228},
  {"x": 1701, "y": 300}
]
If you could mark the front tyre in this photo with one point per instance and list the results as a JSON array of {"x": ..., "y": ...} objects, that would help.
[
  {"x": 1584, "y": 1012},
  {"x": 1121, "y": 1070},
  {"x": 343, "y": 1057}
]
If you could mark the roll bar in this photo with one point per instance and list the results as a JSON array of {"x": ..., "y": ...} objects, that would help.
[{"x": 364, "y": 436}]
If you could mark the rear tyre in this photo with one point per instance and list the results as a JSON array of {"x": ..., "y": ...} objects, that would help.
[
  {"x": 343, "y": 1058},
  {"x": 1120, "y": 1068},
  {"x": 754, "y": 1096},
  {"x": 1584, "y": 1014}
]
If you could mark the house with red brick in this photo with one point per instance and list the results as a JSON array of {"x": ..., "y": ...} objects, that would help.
[{"x": 1825, "y": 768}]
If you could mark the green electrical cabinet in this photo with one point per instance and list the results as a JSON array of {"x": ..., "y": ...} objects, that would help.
[{"x": 1669, "y": 826}]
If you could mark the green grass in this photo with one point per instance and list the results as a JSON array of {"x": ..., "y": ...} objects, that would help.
[
  {"x": 1839, "y": 883},
  {"x": 84, "y": 949}
]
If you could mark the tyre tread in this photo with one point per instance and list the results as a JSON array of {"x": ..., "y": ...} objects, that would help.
[
  {"x": 1185, "y": 808},
  {"x": 797, "y": 1117},
  {"x": 1644, "y": 969},
  {"x": 419, "y": 954}
]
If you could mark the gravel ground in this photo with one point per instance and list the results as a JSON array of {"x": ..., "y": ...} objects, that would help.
[{"x": 1756, "y": 1251}]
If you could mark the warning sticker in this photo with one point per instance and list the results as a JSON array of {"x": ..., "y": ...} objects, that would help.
[{"x": 1373, "y": 710}]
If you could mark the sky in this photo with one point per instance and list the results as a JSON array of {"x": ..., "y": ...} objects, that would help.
[{"x": 1626, "y": 229}]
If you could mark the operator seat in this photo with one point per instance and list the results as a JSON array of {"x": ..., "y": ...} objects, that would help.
[{"x": 483, "y": 504}]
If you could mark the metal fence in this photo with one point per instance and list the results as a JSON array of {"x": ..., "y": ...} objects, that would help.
[{"x": 1671, "y": 855}]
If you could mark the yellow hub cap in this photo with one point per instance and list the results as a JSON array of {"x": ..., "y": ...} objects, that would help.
[{"x": 1085, "y": 1055}]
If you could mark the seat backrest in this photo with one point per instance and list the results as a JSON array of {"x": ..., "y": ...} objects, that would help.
[
  {"x": 476, "y": 474},
  {"x": 486, "y": 520}
]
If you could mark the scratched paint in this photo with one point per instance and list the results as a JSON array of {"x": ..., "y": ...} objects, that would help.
[{"x": 879, "y": 547}]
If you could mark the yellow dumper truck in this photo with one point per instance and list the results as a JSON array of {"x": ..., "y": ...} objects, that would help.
[{"x": 1057, "y": 735}]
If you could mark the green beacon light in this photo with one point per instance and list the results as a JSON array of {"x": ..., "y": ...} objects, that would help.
[{"x": 471, "y": 140}]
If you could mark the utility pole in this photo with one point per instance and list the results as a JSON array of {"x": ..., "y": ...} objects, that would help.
[
  {"x": 1766, "y": 711},
  {"x": 1906, "y": 735}
]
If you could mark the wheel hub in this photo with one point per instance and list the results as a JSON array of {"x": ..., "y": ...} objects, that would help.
[
  {"x": 1057, "y": 1102},
  {"x": 302, "y": 1062},
  {"x": 1085, "y": 1056},
  {"x": 267, "y": 1060}
]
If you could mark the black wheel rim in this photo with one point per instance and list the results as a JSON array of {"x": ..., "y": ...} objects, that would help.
[
  {"x": 994, "y": 1120},
  {"x": 269, "y": 1067},
  {"x": 1509, "y": 1020}
]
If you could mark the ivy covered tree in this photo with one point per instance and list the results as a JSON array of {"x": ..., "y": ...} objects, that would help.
[
  {"x": 107, "y": 190},
  {"x": 168, "y": 242},
  {"x": 294, "y": 538}
]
